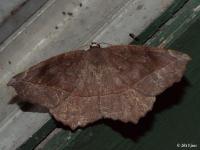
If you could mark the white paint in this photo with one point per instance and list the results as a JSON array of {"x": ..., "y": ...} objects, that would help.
[
  {"x": 7, "y": 6},
  {"x": 111, "y": 22},
  {"x": 26, "y": 25}
]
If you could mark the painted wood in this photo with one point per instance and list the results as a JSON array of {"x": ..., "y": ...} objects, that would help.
[
  {"x": 60, "y": 137},
  {"x": 49, "y": 32},
  {"x": 173, "y": 122}
]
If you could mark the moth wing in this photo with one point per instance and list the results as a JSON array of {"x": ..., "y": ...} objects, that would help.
[{"x": 51, "y": 81}]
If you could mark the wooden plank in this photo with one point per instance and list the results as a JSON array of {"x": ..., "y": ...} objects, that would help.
[
  {"x": 185, "y": 18},
  {"x": 42, "y": 37},
  {"x": 17, "y": 16},
  {"x": 6, "y": 7},
  {"x": 67, "y": 139},
  {"x": 154, "y": 27},
  {"x": 60, "y": 140},
  {"x": 101, "y": 134},
  {"x": 174, "y": 120},
  {"x": 38, "y": 136}
]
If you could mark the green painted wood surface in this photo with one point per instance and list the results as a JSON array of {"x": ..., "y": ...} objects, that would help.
[
  {"x": 38, "y": 136},
  {"x": 154, "y": 27},
  {"x": 174, "y": 119},
  {"x": 177, "y": 25}
]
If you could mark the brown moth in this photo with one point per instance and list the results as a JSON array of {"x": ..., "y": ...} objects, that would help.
[{"x": 117, "y": 82}]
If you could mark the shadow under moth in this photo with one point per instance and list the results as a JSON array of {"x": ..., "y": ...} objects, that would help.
[{"x": 118, "y": 82}]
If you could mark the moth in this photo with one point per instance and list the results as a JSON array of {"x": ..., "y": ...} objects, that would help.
[{"x": 118, "y": 82}]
